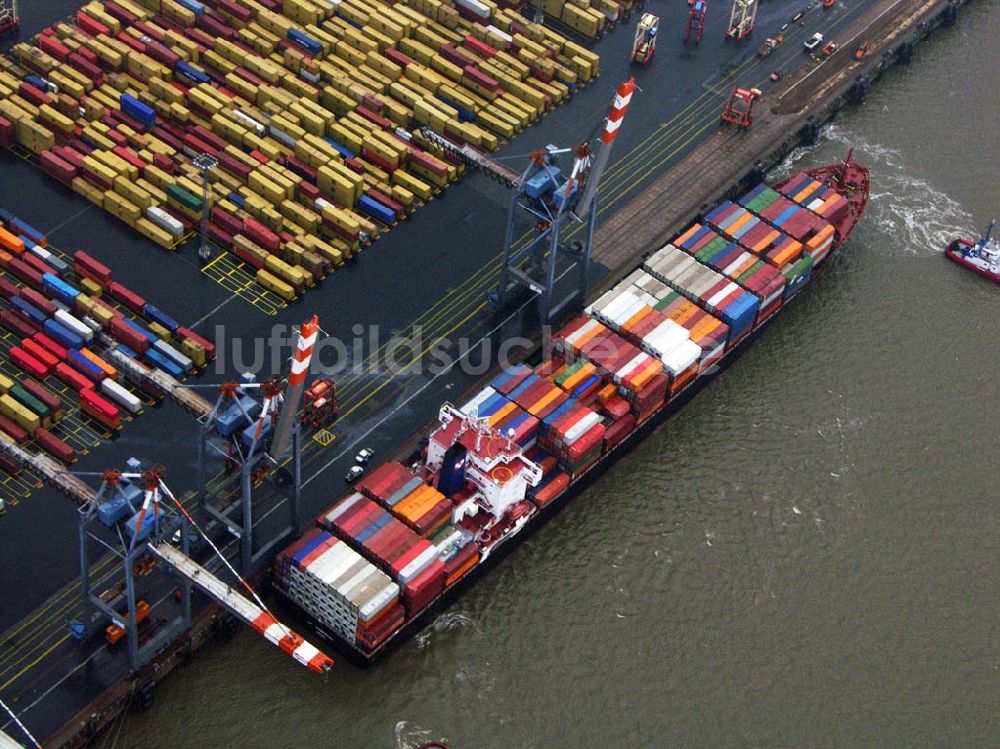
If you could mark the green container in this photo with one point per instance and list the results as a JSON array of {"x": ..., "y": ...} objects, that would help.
[
  {"x": 666, "y": 301},
  {"x": 750, "y": 273},
  {"x": 29, "y": 401},
  {"x": 183, "y": 197},
  {"x": 713, "y": 248},
  {"x": 798, "y": 268},
  {"x": 570, "y": 371}
]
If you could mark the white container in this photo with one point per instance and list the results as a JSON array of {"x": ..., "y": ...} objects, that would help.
[
  {"x": 475, "y": 7},
  {"x": 184, "y": 362},
  {"x": 121, "y": 396},
  {"x": 67, "y": 320},
  {"x": 165, "y": 221}
]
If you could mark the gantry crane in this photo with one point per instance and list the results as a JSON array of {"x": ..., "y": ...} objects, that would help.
[
  {"x": 10, "y": 19},
  {"x": 251, "y": 427},
  {"x": 138, "y": 517},
  {"x": 741, "y": 19},
  {"x": 696, "y": 20}
]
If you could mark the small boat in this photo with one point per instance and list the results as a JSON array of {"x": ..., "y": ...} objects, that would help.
[{"x": 983, "y": 256}]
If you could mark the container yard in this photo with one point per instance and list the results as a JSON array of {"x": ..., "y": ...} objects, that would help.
[{"x": 376, "y": 563}]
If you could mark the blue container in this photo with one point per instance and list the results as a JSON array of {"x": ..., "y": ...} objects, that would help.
[
  {"x": 745, "y": 228},
  {"x": 62, "y": 335},
  {"x": 194, "y": 6},
  {"x": 562, "y": 195},
  {"x": 137, "y": 110},
  {"x": 714, "y": 214},
  {"x": 228, "y": 421},
  {"x": 113, "y": 510},
  {"x": 374, "y": 528},
  {"x": 376, "y": 210},
  {"x": 549, "y": 420},
  {"x": 190, "y": 73},
  {"x": 37, "y": 82},
  {"x": 525, "y": 384},
  {"x": 29, "y": 310},
  {"x": 741, "y": 314},
  {"x": 250, "y": 431},
  {"x": 6, "y": 216},
  {"x": 344, "y": 151},
  {"x": 585, "y": 385},
  {"x": 506, "y": 376},
  {"x": 128, "y": 352},
  {"x": 310, "y": 546},
  {"x": 148, "y": 523},
  {"x": 17, "y": 226},
  {"x": 545, "y": 180},
  {"x": 307, "y": 43},
  {"x": 786, "y": 214},
  {"x": 140, "y": 330},
  {"x": 165, "y": 349},
  {"x": 159, "y": 316},
  {"x": 238, "y": 199},
  {"x": 56, "y": 287},
  {"x": 81, "y": 363},
  {"x": 464, "y": 115},
  {"x": 159, "y": 361},
  {"x": 697, "y": 237}
]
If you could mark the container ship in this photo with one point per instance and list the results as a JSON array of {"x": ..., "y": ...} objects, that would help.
[{"x": 411, "y": 534}]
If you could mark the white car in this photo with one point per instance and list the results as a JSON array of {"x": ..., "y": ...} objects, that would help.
[
  {"x": 354, "y": 474},
  {"x": 364, "y": 455},
  {"x": 813, "y": 42}
]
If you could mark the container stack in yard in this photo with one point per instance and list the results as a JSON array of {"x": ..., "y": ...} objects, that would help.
[
  {"x": 56, "y": 309},
  {"x": 312, "y": 110},
  {"x": 493, "y": 464}
]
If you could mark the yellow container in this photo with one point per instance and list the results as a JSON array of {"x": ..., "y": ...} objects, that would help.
[
  {"x": 151, "y": 231},
  {"x": 272, "y": 283}
]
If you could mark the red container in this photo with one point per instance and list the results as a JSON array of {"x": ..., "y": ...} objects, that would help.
[
  {"x": 456, "y": 56},
  {"x": 373, "y": 117},
  {"x": 372, "y": 635},
  {"x": 49, "y": 345},
  {"x": 28, "y": 363},
  {"x": 234, "y": 166},
  {"x": 72, "y": 378},
  {"x": 70, "y": 155},
  {"x": 117, "y": 11},
  {"x": 6, "y": 133},
  {"x": 131, "y": 41},
  {"x": 20, "y": 326},
  {"x": 220, "y": 236},
  {"x": 13, "y": 430},
  {"x": 90, "y": 25},
  {"x": 619, "y": 430},
  {"x": 209, "y": 137},
  {"x": 249, "y": 77},
  {"x": 481, "y": 48},
  {"x": 302, "y": 169},
  {"x": 38, "y": 264},
  {"x": 260, "y": 234},
  {"x": 9, "y": 289},
  {"x": 434, "y": 517},
  {"x": 25, "y": 273},
  {"x": 38, "y": 352},
  {"x": 203, "y": 342},
  {"x": 100, "y": 409},
  {"x": 34, "y": 94},
  {"x": 309, "y": 192},
  {"x": 38, "y": 300},
  {"x": 54, "y": 446},
  {"x": 215, "y": 28},
  {"x": 122, "y": 333},
  {"x": 83, "y": 65},
  {"x": 384, "y": 480},
  {"x": 419, "y": 592},
  {"x": 479, "y": 78},
  {"x": 397, "y": 57},
  {"x": 86, "y": 265},
  {"x": 396, "y": 207},
  {"x": 130, "y": 156},
  {"x": 54, "y": 166},
  {"x": 127, "y": 297},
  {"x": 411, "y": 554},
  {"x": 53, "y": 47},
  {"x": 227, "y": 221}
]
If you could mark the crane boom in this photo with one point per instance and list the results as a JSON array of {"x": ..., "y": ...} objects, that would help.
[
  {"x": 619, "y": 106},
  {"x": 261, "y": 620},
  {"x": 308, "y": 334}
]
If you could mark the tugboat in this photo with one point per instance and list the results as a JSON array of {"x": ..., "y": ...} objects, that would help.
[{"x": 983, "y": 257}]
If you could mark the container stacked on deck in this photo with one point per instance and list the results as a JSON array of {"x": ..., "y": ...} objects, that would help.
[
  {"x": 506, "y": 416},
  {"x": 736, "y": 263},
  {"x": 588, "y": 17},
  {"x": 420, "y": 566},
  {"x": 819, "y": 198},
  {"x": 814, "y": 232},
  {"x": 341, "y": 590},
  {"x": 56, "y": 316},
  {"x": 420, "y": 506},
  {"x": 311, "y": 110}
]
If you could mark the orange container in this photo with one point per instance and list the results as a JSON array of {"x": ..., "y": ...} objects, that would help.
[
  {"x": 108, "y": 370},
  {"x": 11, "y": 242}
]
